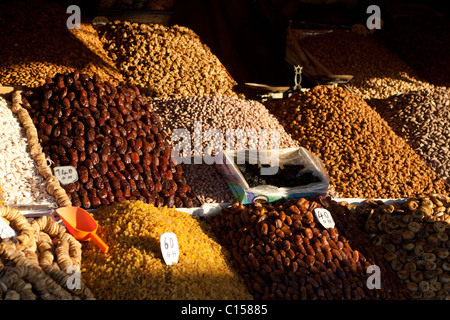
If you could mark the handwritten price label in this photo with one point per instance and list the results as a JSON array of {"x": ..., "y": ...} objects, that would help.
[
  {"x": 66, "y": 174},
  {"x": 324, "y": 217},
  {"x": 169, "y": 248},
  {"x": 5, "y": 230}
]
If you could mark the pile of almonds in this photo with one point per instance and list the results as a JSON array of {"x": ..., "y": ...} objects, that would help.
[
  {"x": 165, "y": 61},
  {"x": 28, "y": 59},
  {"x": 361, "y": 153},
  {"x": 377, "y": 71},
  {"x": 113, "y": 139},
  {"x": 414, "y": 239},
  {"x": 283, "y": 252},
  {"x": 422, "y": 118}
]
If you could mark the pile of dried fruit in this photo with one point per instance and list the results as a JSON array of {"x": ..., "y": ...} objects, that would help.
[
  {"x": 422, "y": 118},
  {"x": 165, "y": 61},
  {"x": 113, "y": 139},
  {"x": 361, "y": 153},
  {"x": 377, "y": 71},
  {"x": 20, "y": 180},
  {"x": 414, "y": 238},
  {"x": 283, "y": 252},
  {"x": 42, "y": 262},
  {"x": 134, "y": 268},
  {"x": 28, "y": 59}
]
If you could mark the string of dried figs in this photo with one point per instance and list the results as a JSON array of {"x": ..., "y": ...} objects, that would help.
[
  {"x": 414, "y": 238},
  {"x": 283, "y": 252},
  {"x": 39, "y": 261},
  {"x": 113, "y": 139}
]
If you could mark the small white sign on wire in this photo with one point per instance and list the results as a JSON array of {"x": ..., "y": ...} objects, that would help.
[
  {"x": 5, "y": 230},
  {"x": 169, "y": 248},
  {"x": 66, "y": 174},
  {"x": 324, "y": 217}
]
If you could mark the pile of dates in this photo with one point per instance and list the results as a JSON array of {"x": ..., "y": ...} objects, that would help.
[
  {"x": 113, "y": 139},
  {"x": 283, "y": 252}
]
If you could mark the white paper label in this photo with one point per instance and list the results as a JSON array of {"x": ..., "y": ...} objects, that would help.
[
  {"x": 66, "y": 174},
  {"x": 5, "y": 230},
  {"x": 169, "y": 248},
  {"x": 324, "y": 217}
]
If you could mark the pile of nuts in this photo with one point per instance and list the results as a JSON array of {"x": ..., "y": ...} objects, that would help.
[
  {"x": 20, "y": 180},
  {"x": 414, "y": 237},
  {"x": 424, "y": 51},
  {"x": 134, "y": 268},
  {"x": 113, "y": 139},
  {"x": 377, "y": 72},
  {"x": 422, "y": 118},
  {"x": 283, "y": 252},
  {"x": 221, "y": 113},
  {"x": 165, "y": 61},
  {"x": 40, "y": 262},
  {"x": 28, "y": 59},
  {"x": 361, "y": 153},
  {"x": 207, "y": 184}
]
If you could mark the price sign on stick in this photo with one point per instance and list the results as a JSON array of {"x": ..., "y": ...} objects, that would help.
[
  {"x": 66, "y": 174},
  {"x": 324, "y": 217},
  {"x": 169, "y": 248}
]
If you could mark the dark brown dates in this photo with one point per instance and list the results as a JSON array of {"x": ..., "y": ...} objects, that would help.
[{"x": 111, "y": 136}]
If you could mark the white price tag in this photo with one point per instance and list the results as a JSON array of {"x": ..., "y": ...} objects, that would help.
[
  {"x": 324, "y": 217},
  {"x": 169, "y": 248},
  {"x": 66, "y": 174},
  {"x": 5, "y": 230}
]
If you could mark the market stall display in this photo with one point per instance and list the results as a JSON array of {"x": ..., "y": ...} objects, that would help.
[
  {"x": 28, "y": 59},
  {"x": 20, "y": 180},
  {"x": 134, "y": 267},
  {"x": 165, "y": 61},
  {"x": 115, "y": 100},
  {"x": 377, "y": 72},
  {"x": 361, "y": 153},
  {"x": 40, "y": 262},
  {"x": 414, "y": 238},
  {"x": 111, "y": 137},
  {"x": 422, "y": 118},
  {"x": 283, "y": 251}
]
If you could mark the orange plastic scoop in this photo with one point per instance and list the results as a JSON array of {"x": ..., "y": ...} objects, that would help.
[{"x": 81, "y": 225}]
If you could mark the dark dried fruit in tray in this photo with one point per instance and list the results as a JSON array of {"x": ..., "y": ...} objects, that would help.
[{"x": 287, "y": 176}]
